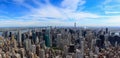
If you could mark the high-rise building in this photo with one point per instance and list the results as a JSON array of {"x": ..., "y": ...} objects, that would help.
[
  {"x": 22, "y": 52},
  {"x": 102, "y": 39},
  {"x": 58, "y": 40},
  {"x": 23, "y": 37},
  {"x": 68, "y": 56},
  {"x": 33, "y": 49},
  {"x": 19, "y": 36},
  {"x": 0, "y": 56},
  {"x": 71, "y": 48},
  {"x": 37, "y": 50},
  {"x": 106, "y": 30},
  {"x": 17, "y": 55},
  {"x": 47, "y": 39},
  {"x": 5, "y": 34},
  {"x": 28, "y": 44},
  {"x": 82, "y": 48},
  {"x": 31, "y": 55},
  {"x": 37, "y": 40},
  {"x": 75, "y": 24},
  {"x": 34, "y": 36},
  {"x": 1, "y": 42},
  {"x": 42, "y": 53}
]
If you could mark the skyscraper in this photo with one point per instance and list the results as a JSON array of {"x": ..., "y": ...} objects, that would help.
[
  {"x": 34, "y": 36},
  {"x": 106, "y": 30},
  {"x": 42, "y": 53},
  {"x": 75, "y": 24},
  {"x": 1, "y": 42},
  {"x": 19, "y": 39},
  {"x": 47, "y": 40},
  {"x": 33, "y": 49},
  {"x": 28, "y": 44},
  {"x": 46, "y": 37},
  {"x": 71, "y": 48}
]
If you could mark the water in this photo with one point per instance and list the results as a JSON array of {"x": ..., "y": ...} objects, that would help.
[
  {"x": 13, "y": 32},
  {"x": 0, "y": 33}
]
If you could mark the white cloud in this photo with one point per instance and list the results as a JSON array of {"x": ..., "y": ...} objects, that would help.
[
  {"x": 106, "y": 2},
  {"x": 112, "y": 12},
  {"x": 19, "y": 1},
  {"x": 111, "y": 6},
  {"x": 113, "y": 19},
  {"x": 72, "y": 4},
  {"x": 40, "y": 16},
  {"x": 68, "y": 11},
  {"x": 51, "y": 11}
]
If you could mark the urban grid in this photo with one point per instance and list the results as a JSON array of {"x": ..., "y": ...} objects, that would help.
[{"x": 60, "y": 42}]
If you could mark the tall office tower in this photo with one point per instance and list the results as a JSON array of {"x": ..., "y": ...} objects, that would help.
[
  {"x": 106, "y": 30},
  {"x": 5, "y": 34},
  {"x": 23, "y": 37},
  {"x": 58, "y": 40},
  {"x": 22, "y": 52},
  {"x": 29, "y": 33},
  {"x": 37, "y": 49},
  {"x": 93, "y": 43},
  {"x": 19, "y": 39},
  {"x": 0, "y": 56},
  {"x": 50, "y": 35},
  {"x": 69, "y": 38},
  {"x": 3, "y": 55},
  {"x": 47, "y": 38},
  {"x": 91, "y": 54},
  {"x": 82, "y": 48},
  {"x": 12, "y": 37},
  {"x": 35, "y": 56},
  {"x": 31, "y": 55},
  {"x": 42, "y": 53},
  {"x": 17, "y": 55},
  {"x": 33, "y": 49},
  {"x": 71, "y": 48},
  {"x": 116, "y": 44},
  {"x": 28, "y": 44},
  {"x": 10, "y": 34},
  {"x": 102, "y": 38},
  {"x": 37, "y": 40},
  {"x": 33, "y": 36},
  {"x": 78, "y": 53},
  {"x": 89, "y": 37},
  {"x": 96, "y": 50},
  {"x": 106, "y": 42},
  {"x": 1, "y": 42},
  {"x": 75, "y": 25},
  {"x": 13, "y": 41},
  {"x": 65, "y": 49}
]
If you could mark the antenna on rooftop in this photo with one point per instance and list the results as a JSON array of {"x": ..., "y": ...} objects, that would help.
[{"x": 75, "y": 24}]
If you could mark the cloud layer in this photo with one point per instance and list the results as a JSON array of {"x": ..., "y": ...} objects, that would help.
[{"x": 45, "y": 13}]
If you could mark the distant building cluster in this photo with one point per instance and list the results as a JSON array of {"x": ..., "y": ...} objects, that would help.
[{"x": 60, "y": 43}]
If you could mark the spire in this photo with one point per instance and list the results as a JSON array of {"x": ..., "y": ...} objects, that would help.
[{"x": 75, "y": 24}]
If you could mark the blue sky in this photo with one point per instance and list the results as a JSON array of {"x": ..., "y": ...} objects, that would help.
[{"x": 59, "y": 13}]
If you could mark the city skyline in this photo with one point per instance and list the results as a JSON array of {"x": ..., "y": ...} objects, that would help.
[{"x": 17, "y": 13}]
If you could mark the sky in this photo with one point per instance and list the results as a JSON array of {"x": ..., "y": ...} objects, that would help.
[{"x": 22, "y": 13}]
